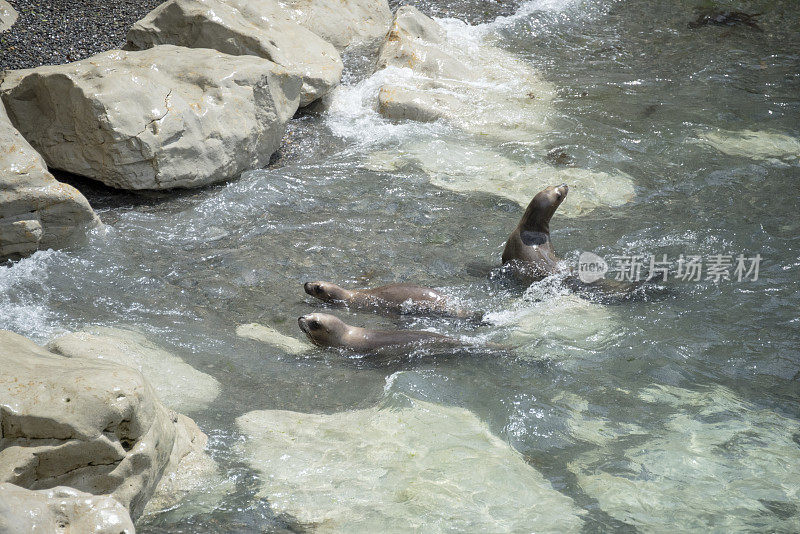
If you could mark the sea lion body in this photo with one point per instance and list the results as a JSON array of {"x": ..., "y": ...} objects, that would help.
[
  {"x": 325, "y": 330},
  {"x": 530, "y": 253},
  {"x": 528, "y": 249},
  {"x": 395, "y": 298}
]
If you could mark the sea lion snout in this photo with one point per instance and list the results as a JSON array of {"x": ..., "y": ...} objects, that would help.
[
  {"x": 311, "y": 288},
  {"x": 302, "y": 322}
]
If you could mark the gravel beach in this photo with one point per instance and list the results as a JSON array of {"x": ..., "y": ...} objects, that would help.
[{"x": 50, "y": 32}]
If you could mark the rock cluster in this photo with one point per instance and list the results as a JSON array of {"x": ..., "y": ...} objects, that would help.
[
  {"x": 202, "y": 92},
  {"x": 92, "y": 425}
]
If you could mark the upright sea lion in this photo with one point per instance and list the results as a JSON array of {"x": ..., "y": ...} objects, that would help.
[
  {"x": 530, "y": 253},
  {"x": 528, "y": 249},
  {"x": 325, "y": 330},
  {"x": 396, "y": 298}
]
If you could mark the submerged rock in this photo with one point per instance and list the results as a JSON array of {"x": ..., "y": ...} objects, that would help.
[
  {"x": 256, "y": 27},
  {"x": 8, "y": 16},
  {"x": 469, "y": 83},
  {"x": 270, "y": 336},
  {"x": 561, "y": 326},
  {"x": 178, "y": 385},
  {"x": 60, "y": 510},
  {"x": 419, "y": 466},
  {"x": 714, "y": 462},
  {"x": 154, "y": 119},
  {"x": 92, "y": 425},
  {"x": 342, "y": 23},
  {"x": 761, "y": 145},
  {"x": 36, "y": 211},
  {"x": 464, "y": 166}
]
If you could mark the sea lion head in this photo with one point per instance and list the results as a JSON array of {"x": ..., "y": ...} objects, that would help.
[
  {"x": 324, "y": 330},
  {"x": 543, "y": 206},
  {"x": 326, "y": 291}
]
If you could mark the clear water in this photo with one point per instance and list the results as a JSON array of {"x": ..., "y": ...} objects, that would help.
[{"x": 687, "y": 398}]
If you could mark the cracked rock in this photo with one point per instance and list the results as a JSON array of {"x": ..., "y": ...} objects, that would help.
[
  {"x": 256, "y": 27},
  {"x": 160, "y": 118},
  {"x": 91, "y": 425}
]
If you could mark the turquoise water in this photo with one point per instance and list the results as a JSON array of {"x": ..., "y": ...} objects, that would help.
[{"x": 672, "y": 413}]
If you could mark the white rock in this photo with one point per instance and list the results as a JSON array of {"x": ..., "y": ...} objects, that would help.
[
  {"x": 566, "y": 327},
  {"x": 270, "y": 336},
  {"x": 60, "y": 510},
  {"x": 256, "y": 27},
  {"x": 714, "y": 463},
  {"x": 8, "y": 16},
  {"x": 469, "y": 167},
  {"x": 344, "y": 22},
  {"x": 195, "y": 483},
  {"x": 178, "y": 385},
  {"x": 154, "y": 119},
  {"x": 95, "y": 426},
  {"x": 753, "y": 144},
  {"x": 36, "y": 211},
  {"x": 469, "y": 83},
  {"x": 419, "y": 467}
]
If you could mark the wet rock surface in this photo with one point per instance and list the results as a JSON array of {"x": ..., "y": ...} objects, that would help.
[
  {"x": 36, "y": 211},
  {"x": 156, "y": 119},
  {"x": 261, "y": 28},
  {"x": 95, "y": 426}
]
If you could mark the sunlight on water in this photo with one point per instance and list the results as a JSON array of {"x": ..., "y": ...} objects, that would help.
[{"x": 650, "y": 415}]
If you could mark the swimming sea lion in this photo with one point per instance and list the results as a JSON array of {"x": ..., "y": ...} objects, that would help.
[
  {"x": 396, "y": 298},
  {"x": 528, "y": 249},
  {"x": 724, "y": 17},
  {"x": 530, "y": 253},
  {"x": 325, "y": 330}
]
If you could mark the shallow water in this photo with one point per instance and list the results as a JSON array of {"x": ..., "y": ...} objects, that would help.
[{"x": 638, "y": 412}]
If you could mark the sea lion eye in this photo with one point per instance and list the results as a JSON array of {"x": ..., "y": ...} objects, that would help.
[{"x": 313, "y": 324}]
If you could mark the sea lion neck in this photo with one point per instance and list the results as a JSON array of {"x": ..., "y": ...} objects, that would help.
[{"x": 534, "y": 220}]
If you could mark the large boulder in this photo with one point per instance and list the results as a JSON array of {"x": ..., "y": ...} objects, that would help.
[
  {"x": 342, "y": 22},
  {"x": 92, "y": 425},
  {"x": 467, "y": 82},
  {"x": 178, "y": 385},
  {"x": 36, "y": 211},
  {"x": 405, "y": 466},
  {"x": 60, "y": 510},
  {"x": 154, "y": 119},
  {"x": 8, "y": 16},
  {"x": 256, "y": 27}
]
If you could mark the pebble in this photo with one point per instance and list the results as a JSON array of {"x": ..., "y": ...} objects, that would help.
[{"x": 51, "y": 32}]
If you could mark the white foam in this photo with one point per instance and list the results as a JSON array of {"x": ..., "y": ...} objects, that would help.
[{"x": 24, "y": 296}]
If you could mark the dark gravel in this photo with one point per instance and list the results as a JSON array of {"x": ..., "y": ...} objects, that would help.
[{"x": 50, "y": 32}]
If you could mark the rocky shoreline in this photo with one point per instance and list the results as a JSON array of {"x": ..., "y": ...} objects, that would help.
[{"x": 201, "y": 92}]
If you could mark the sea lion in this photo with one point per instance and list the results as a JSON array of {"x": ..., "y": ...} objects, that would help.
[
  {"x": 395, "y": 298},
  {"x": 531, "y": 257},
  {"x": 325, "y": 330},
  {"x": 723, "y": 17},
  {"x": 528, "y": 249}
]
